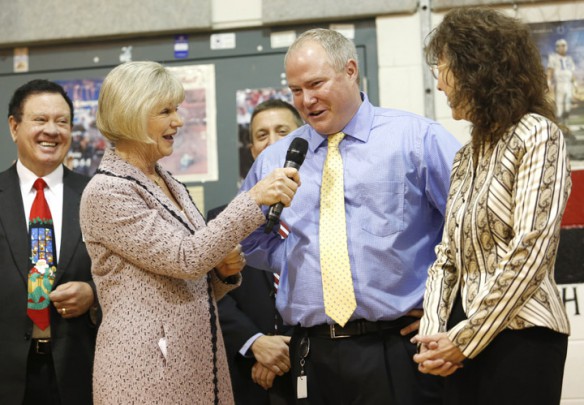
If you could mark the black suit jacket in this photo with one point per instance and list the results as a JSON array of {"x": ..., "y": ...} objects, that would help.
[
  {"x": 73, "y": 340},
  {"x": 244, "y": 312}
]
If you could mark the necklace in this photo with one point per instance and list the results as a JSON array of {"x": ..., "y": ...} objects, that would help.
[{"x": 157, "y": 179}]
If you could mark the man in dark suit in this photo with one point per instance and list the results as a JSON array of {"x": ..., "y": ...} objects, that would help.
[
  {"x": 255, "y": 338},
  {"x": 50, "y": 365}
]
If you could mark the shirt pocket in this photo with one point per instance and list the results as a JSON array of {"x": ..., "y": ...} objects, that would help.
[{"x": 381, "y": 211}]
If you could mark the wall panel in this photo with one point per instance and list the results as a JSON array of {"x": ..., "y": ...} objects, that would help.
[
  {"x": 281, "y": 11},
  {"x": 41, "y": 21}
]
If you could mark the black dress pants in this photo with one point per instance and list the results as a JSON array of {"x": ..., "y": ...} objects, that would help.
[
  {"x": 41, "y": 383},
  {"x": 369, "y": 369},
  {"x": 519, "y": 367}
]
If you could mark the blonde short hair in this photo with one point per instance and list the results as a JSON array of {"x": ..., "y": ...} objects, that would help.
[{"x": 129, "y": 94}]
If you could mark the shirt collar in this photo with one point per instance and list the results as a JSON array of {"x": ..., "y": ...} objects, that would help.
[
  {"x": 359, "y": 127},
  {"x": 27, "y": 177}
]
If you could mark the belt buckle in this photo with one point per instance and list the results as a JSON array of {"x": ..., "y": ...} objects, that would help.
[
  {"x": 333, "y": 333},
  {"x": 38, "y": 349}
]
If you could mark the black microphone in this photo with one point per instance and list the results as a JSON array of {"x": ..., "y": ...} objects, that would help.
[{"x": 294, "y": 158}]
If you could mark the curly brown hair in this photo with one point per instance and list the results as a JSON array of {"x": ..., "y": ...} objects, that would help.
[{"x": 497, "y": 70}]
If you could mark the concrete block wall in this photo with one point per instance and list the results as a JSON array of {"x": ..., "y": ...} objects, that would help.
[{"x": 39, "y": 21}]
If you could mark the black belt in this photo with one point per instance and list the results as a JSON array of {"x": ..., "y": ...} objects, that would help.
[
  {"x": 41, "y": 346},
  {"x": 358, "y": 327}
]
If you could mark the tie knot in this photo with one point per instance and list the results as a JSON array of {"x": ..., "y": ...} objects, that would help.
[
  {"x": 334, "y": 140},
  {"x": 39, "y": 184}
]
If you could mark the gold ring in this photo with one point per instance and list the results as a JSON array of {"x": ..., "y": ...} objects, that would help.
[{"x": 64, "y": 311}]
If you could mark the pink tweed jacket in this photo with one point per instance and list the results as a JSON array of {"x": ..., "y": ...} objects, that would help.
[{"x": 160, "y": 341}]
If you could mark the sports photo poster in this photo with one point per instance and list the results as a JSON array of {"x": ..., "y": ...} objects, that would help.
[
  {"x": 195, "y": 149},
  {"x": 561, "y": 44},
  {"x": 87, "y": 143},
  {"x": 246, "y": 101}
]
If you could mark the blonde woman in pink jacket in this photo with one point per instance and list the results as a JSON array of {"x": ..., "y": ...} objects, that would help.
[{"x": 158, "y": 268}]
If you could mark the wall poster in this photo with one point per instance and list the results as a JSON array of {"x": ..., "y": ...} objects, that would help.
[
  {"x": 246, "y": 101},
  {"x": 87, "y": 143},
  {"x": 561, "y": 45},
  {"x": 195, "y": 150}
]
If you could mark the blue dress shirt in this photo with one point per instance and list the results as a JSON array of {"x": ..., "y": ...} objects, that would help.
[{"x": 397, "y": 169}]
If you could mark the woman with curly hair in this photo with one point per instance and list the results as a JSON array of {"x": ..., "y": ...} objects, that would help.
[{"x": 494, "y": 323}]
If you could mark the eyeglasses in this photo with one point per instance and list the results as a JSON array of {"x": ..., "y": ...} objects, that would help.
[{"x": 435, "y": 69}]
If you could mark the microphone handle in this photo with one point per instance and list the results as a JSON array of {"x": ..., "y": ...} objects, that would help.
[{"x": 273, "y": 216}]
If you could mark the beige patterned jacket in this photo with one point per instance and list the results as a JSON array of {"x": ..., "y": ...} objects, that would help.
[
  {"x": 501, "y": 237},
  {"x": 159, "y": 341}
]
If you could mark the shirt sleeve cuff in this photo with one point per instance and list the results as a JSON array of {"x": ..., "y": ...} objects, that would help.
[{"x": 245, "y": 348}]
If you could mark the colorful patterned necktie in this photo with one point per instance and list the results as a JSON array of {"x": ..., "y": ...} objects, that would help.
[
  {"x": 43, "y": 258},
  {"x": 337, "y": 283}
]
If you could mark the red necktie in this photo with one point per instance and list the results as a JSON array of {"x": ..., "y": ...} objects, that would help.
[{"x": 43, "y": 258}]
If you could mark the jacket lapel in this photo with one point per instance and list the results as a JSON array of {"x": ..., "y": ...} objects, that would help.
[
  {"x": 269, "y": 277},
  {"x": 115, "y": 165},
  {"x": 70, "y": 230},
  {"x": 13, "y": 220},
  {"x": 181, "y": 194}
]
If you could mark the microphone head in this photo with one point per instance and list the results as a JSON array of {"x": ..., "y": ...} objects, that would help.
[{"x": 297, "y": 151}]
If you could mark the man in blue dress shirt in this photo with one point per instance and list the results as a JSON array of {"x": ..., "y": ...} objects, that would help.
[{"x": 396, "y": 179}]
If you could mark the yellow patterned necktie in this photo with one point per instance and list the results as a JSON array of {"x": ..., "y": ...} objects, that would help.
[{"x": 337, "y": 283}]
